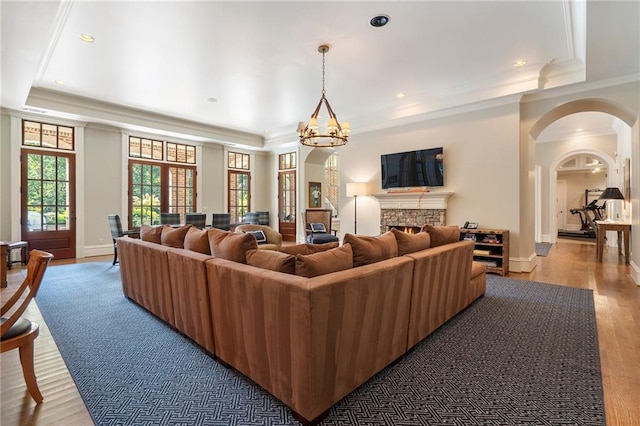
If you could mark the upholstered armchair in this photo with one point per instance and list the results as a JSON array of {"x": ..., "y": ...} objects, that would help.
[{"x": 272, "y": 238}]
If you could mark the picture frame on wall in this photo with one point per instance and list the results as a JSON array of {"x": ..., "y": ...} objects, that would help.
[{"x": 315, "y": 195}]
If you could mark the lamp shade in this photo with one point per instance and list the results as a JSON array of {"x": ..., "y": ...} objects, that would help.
[
  {"x": 356, "y": 188},
  {"x": 611, "y": 193}
]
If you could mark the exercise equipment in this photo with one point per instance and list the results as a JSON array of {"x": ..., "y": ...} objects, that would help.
[{"x": 588, "y": 214}]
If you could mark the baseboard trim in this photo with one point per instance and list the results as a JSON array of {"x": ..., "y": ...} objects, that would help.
[
  {"x": 521, "y": 264},
  {"x": 101, "y": 250},
  {"x": 635, "y": 273}
]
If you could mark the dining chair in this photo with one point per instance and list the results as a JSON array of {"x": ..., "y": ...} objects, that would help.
[
  {"x": 17, "y": 331},
  {"x": 169, "y": 218},
  {"x": 263, "y": 218},
  {"x": 196, "y": 219},
  {"x": 115, "y": 225},
  {"x": 221, "y": 221}
]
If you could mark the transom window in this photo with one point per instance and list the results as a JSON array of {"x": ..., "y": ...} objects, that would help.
[{"x": 47, "y": 135}]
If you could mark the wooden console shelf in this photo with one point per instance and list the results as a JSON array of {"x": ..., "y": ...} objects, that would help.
[{"x": 491, "y": 248}]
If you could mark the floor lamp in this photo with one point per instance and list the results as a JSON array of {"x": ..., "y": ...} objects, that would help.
[{"x": 353, "y": 190}]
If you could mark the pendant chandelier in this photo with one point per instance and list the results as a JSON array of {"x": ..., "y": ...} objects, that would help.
[{"x": 334, "y": 134}]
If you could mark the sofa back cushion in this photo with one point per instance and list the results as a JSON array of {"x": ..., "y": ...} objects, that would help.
[
  {"x": 153, "y": 234},
  {"x": 368, "y": 250},
  {"x": 272, "y": 260},
  {"x": 197, "y": 240},
  {"x": 410, "y": 243},
  {"x": 308, "y": 248},
  {"x": 231, "y": 245},
  {"x": 174, "y": 237},
  {"x": 441, "y": 235},
  {"x": 324, "y": 262}
]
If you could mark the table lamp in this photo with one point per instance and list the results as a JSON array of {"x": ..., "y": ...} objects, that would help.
[{"x": 611, "y": 193}]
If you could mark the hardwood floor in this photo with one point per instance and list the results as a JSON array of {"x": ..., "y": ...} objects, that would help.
[{"x": 617, "y": 303}]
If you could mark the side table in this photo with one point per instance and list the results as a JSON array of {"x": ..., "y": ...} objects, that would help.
[{"x": 623, "y": 230}]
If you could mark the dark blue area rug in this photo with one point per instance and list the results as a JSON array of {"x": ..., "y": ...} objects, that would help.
[{"x": 525, "y": 354}]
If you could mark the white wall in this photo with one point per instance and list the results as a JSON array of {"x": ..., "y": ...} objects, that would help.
[
  {"x": 5, "y": 177},
  {"x": 480, "y": 161}
]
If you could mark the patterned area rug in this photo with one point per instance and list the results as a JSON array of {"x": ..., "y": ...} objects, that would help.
[
  {"x": 526, "y": 353},
  {"x": 542, "y": 249}
]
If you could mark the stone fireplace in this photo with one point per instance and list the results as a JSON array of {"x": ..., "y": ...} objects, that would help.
[{"x": 411, "y": 210}]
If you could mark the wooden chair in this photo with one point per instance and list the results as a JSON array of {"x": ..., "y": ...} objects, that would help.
[
  {"x": 317, "y": 234},
  {"x": 19, "y": 332}
]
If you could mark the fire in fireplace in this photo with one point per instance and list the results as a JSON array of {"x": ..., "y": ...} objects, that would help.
[{"x": 403, "y": 228}]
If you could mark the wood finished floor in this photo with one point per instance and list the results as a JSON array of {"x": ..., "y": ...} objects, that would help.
[{"x": 617, "y": 303}]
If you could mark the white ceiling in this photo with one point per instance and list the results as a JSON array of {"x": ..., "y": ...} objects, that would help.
[{"x": 259, "y": 60}]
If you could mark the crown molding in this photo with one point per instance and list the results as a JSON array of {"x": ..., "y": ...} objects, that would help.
[
  {"x": 580, "y": 87},
  {"x": 136, "y": 119}
]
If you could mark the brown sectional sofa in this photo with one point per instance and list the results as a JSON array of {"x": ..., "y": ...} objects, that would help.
[{"x": 308, "y": 341}]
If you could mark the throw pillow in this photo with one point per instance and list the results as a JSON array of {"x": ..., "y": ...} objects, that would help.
[
  {"x": 258, "y": 235},
  {"x": 174, "y": 237},
  {"x": 272, "y": 260},
  {"x": 308, "y": 248},
  {"x": 441, "y": 235},
  {"x": 410, "y": 243},
  {"x": 368, "y": 250},
  {"x": 325, "y": 262},
  {"x": 317, "y": 227},
  {"x": 197, "y": 240},
  {"x": 231, "y": 245},
  {"x": 153, "y": 234}
]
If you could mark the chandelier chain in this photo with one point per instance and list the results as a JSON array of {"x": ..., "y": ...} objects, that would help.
[{"x": 323, "y": 52}]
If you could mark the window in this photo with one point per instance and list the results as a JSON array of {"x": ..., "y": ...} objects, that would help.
[
  {"x": 47, "y": 135},
  {"x": 332, "y": 184},
  {"x": 287, "y": 187},
  {"x": 157, "y": 186},
  {"x": 239, "y": 178}
]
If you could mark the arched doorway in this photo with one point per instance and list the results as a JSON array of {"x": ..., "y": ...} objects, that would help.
[{"x": 625, "y": 118}]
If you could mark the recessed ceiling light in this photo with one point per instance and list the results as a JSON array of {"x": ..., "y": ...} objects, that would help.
[
  {"x": 87, "y": 38},
  {"x": 212, "y": 100},
  {"x": 579, "y": 130},
  {"x": 401, "y": 95},
  {"x": 520, "y": 63},
  {"x": 379, "y": 21},
  {"x": 60, "y": 82}
]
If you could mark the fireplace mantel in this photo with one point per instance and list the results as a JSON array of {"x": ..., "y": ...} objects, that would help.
[{"x": 413, "y": 200}]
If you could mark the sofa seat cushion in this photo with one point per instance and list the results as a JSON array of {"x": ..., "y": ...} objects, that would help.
[
  {"x": 197, "y": 240},
  {"x": 174, "y": 237},
  {"x": 441, "y": 235},
  {"x": 272, "y": 260},
  {"x": 368, "y": 250},
  {"x": 308, "y": 248},
  {"x": 324, "y": 262},
  {"x": 152, "y": 234},
  {"x": 321, "y": 238},
  {"x": 411, "y": 243},
  {"x": 231, "y": 245}
]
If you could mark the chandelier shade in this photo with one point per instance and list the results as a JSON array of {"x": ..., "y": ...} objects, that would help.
[{"x": 334, "y": 134}]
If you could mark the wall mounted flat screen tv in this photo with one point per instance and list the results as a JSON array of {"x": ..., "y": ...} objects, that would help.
[{"x": 409, "y": 169}]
